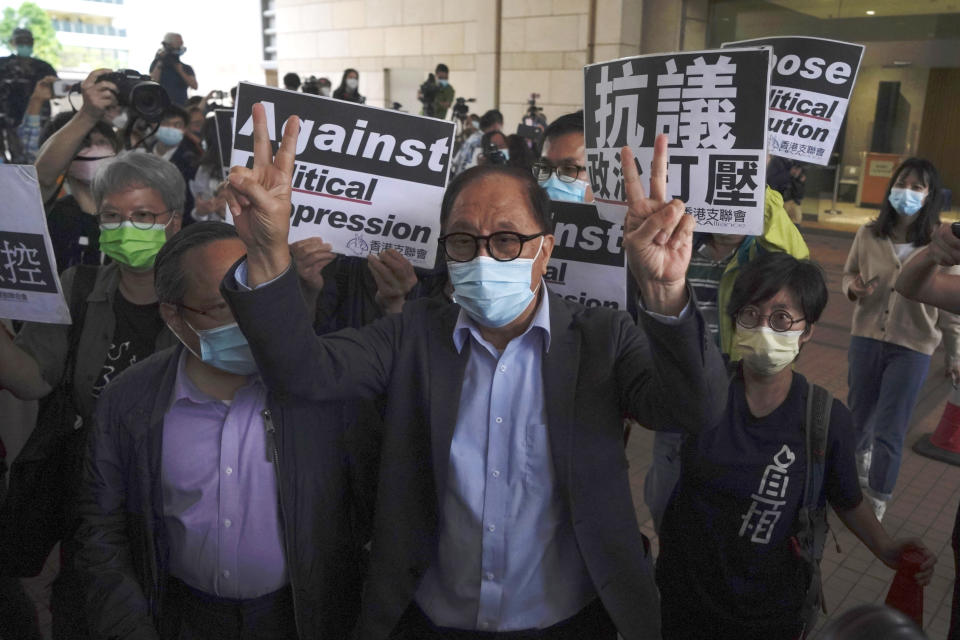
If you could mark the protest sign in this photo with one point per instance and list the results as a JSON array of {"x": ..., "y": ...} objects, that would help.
[
  {"x": 810, "y": 86},
  {"x": 712, "y": 106},
  {"x": 587, "y": 264},
  {"x": 29, "y": 286},
  {"x": 223, "y": 118},
  {"x": 366, "y": 179}
]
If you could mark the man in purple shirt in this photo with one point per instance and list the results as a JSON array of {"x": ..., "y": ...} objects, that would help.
[{"x": 202, "y": 516}]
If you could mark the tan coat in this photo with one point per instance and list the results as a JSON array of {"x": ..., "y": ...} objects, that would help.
[{"x": 886, "y": 315}]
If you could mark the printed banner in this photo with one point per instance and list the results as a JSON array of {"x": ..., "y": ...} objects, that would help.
[
  {"x": 224, "y": 121},
  {"x": 810, "y": 86},
  {"x": 29, "y": 286},
  {"x": 588, "y": 261},
  {"x": 713, "y": 108},
  {"x": 366, "y": 179}
]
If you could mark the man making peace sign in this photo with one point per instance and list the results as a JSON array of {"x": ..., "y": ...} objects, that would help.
[{"x": 504, "y": 500}]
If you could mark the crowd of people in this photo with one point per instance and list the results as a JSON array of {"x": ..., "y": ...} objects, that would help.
[{"x": 277, "y": 441}]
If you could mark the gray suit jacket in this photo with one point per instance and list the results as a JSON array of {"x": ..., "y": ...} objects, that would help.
[{"x": 599, "y": 368}]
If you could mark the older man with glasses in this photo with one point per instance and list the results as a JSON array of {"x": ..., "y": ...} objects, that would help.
[{"x": 504, "y": 506}]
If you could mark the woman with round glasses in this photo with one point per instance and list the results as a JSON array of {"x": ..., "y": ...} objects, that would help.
[
  {"x": 729, "y": 564},
  {"x": 893, "y": 338},
  {"x": 139, "y": 200}
]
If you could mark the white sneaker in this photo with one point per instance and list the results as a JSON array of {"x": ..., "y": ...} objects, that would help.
[{"x": 879, "y": 504}]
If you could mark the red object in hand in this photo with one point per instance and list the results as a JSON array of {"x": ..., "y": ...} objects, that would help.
[{"x": 906, "y": 594}]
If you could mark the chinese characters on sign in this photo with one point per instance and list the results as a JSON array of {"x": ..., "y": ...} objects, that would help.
[
  {"x": 23, "y": 266},
  {"x": 810, "y": 86},
  {"x": 712, "y": 107},
  {"x": 29, "y": 287},
  {"x": 764, "y": 511}
]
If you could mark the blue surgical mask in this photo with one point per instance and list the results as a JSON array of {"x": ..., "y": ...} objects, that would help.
[
  {"x": 24, "y": 50},
  {"x": 574, "y": 191},
  {"x": 493, "y": 293},
  {"x": 226, "y": 348},
  {"x": 906, "y": 201},
  {"x": 169, "y": 136},
  {"x": 442, "y": 82}
]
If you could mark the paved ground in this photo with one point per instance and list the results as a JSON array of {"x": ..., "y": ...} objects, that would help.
[{"x": 925, "y": 500}]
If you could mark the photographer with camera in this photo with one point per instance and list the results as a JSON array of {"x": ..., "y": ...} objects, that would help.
[
  {"x": 173, "y": 75},
  {"x": 73, "y": 148},
  {"x": 19, "y": 75},
  {"x": 437, "y": 93},
  {"x": 492, "y": 120}
]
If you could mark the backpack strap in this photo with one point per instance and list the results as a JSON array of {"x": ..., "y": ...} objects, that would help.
[{"x": 812, "y": 519}]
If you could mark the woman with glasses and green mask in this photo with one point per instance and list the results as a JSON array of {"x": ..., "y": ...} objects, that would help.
[
  {"x": 139, "y": 201},
  {"x": 731, "y": 563}
]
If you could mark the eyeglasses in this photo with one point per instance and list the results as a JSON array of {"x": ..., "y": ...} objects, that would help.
[
  {"x": 565, "y": 172},
  {"x": 139, "y": 219},
  {"x": 502, "y": 246},
  {"x": 219, "y": 311},
  {"x": 779, "y": 320}
]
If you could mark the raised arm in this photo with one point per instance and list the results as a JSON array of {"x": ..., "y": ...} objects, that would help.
[
  {"x": 267, "y": 300},
  {"x": 58, "y": 151},
  {"x": 674, "y": 360},
  {"x": 922, "y": 280}
]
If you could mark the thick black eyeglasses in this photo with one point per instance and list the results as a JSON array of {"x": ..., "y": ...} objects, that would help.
[
  {"x": 565, "y": 172},
  {"x": 502, "y": 246},
  {"x": 779, "y": 320}
]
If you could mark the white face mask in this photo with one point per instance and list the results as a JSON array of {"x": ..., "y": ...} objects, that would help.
[
  {"x": 765, "y": 351},
  {"x": 352, "y": 83},
  {"x": 325, "y": 91}
]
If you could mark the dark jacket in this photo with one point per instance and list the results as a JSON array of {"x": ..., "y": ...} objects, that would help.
[
  {"x": 123, "y": 553},
  {"x": 600, "y": 366}
]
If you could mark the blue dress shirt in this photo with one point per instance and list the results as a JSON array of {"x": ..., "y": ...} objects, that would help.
[{"x": 507, "y": 557}]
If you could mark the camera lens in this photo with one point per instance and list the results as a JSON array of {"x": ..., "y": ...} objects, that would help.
[{"x": 149, "y": 100}]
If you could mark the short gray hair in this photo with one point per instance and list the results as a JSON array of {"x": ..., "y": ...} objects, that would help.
[{"x": 135, "y": 169}]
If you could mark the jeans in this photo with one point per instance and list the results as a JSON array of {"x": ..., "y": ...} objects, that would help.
[
  {"x": 663, "y": 475},
  {"x": 885, "y": 381}
]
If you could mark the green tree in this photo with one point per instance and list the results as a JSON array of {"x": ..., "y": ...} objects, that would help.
[{"x": 30, "y": 16}]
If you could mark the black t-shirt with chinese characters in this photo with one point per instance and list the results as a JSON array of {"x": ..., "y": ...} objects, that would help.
[
  {"x": 134, "y": 338},
  {"x": 725, "y": 541}
]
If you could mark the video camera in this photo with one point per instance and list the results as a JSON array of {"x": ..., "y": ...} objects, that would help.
[
  {"x": 135, "y": 90},
  {"x": 460, "y": 108},
  {"x": 428, "y": 93},
  {"x": 533, "y": 123},
  {"x": 311, "y": 85}
]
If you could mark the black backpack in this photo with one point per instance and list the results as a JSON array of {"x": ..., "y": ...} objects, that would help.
[
  {"x": 44, "y": 476},
  {"x": 809, "y": 540}
]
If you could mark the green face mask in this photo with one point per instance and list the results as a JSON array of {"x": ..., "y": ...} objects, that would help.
[
  {"x": 136, "y": 248},
  {"x": 24, "y": 50}
]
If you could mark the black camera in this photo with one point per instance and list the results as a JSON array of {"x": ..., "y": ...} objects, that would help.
[
  {"x": 494, "y": 155},
  {"x": 147, "y": 98},
  {"x": 460, "y": 108},
  {"x": 428, "y": 93}
]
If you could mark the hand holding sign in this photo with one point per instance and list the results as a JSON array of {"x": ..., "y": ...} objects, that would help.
[
  {"x": 310, "y": 256},
  {"x": 259, "y": 200},
  {"x": 395, "y": 278},
  {"x": 658, "y": 237}
]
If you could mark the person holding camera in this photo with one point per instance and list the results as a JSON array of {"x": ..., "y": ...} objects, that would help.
[
  {"x": 468, "y": 154},
  {"x": 166, "y": 69},
  {"x": 437, "y": 93},
  {"x": 19, "y": 75},
  {"x": 73, "y": 147}
]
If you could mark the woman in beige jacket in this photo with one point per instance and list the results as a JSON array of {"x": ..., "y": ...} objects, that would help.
[{"x": 893, "y": 338}]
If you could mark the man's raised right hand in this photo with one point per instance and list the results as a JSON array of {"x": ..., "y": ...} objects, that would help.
[{"x": 259, "y": 199}]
